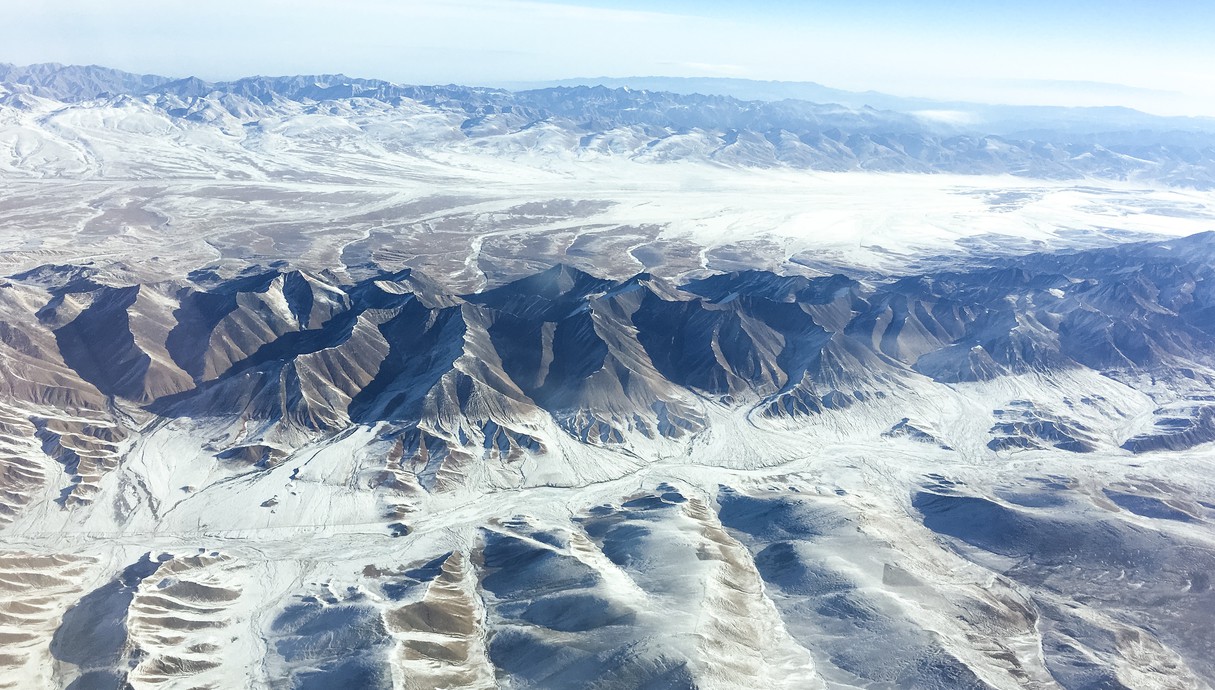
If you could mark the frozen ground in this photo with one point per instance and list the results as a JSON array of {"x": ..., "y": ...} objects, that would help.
[
  {"x": 617, "y": 516},
  {"x": 489, "y": 221},
  {"x": 242, "y": 446},
  {"x": 857, "y": 565}
]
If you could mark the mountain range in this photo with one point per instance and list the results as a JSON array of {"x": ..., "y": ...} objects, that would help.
[
  {"x": 137, "y": 409},
  {"x": 650, "y": 125},
  {"x": 318, "y": 382}
]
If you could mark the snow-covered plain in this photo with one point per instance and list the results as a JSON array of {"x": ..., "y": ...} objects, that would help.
[
  {"x": 346, "y": 182},
  {"x": 885, "y": 545},
  {"x": 474, "y": 227}
]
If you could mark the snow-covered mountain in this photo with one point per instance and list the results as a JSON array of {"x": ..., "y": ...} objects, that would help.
[
  {"x": 739, "y": 416},
  {"x": 315, "y": 382},
  {"x": 991, "y": 118},
  {"x": 50, "y": 110}
]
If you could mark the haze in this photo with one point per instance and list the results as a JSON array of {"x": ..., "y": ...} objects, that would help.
[{"x": 1154, "y": 57}]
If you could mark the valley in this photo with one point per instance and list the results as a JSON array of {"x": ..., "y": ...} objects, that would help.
[{"x": 317, "y": 382}]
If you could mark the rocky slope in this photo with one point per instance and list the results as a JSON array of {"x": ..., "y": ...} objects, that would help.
[
  {"x": 745, "y": 480},
  {"x": 318, "y": 382}
]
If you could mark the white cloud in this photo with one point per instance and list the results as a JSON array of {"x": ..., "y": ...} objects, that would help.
[{"x": 949, "y": 117}]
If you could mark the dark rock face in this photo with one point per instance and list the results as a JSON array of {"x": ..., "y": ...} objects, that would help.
[
  {"x": 606, "y": 359},
  {"x": 1022, "y": 426},
  {"x": 1177, "y": 433},
  {"x": 265, "y": 367},
  {"x": 904, "y": 428}
]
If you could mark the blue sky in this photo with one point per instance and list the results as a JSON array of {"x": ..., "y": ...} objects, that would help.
[{"x": 1156, "y": 56}]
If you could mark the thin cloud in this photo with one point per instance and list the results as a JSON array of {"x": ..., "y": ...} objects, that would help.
[
  {"x": 844, "y": 45},
  {"x": 708, "y": 69}
]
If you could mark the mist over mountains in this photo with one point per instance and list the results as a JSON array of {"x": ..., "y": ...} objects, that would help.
[{"x": 988, "y": 118}]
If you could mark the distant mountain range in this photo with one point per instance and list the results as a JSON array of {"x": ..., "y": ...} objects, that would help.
[
  {"x": 988, "y": 118},
  {"x": 659, "y": 125}
]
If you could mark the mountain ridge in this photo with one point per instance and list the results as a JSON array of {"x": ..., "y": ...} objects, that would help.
[
  {"x": 639, "y": 125},
  {"x": 289, "y": 352},
  {"x": 565, "y": 457},
  {"x": 324, "y": 383}
]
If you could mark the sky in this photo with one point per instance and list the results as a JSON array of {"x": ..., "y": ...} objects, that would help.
[{"x": 1156, "y": 56}]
